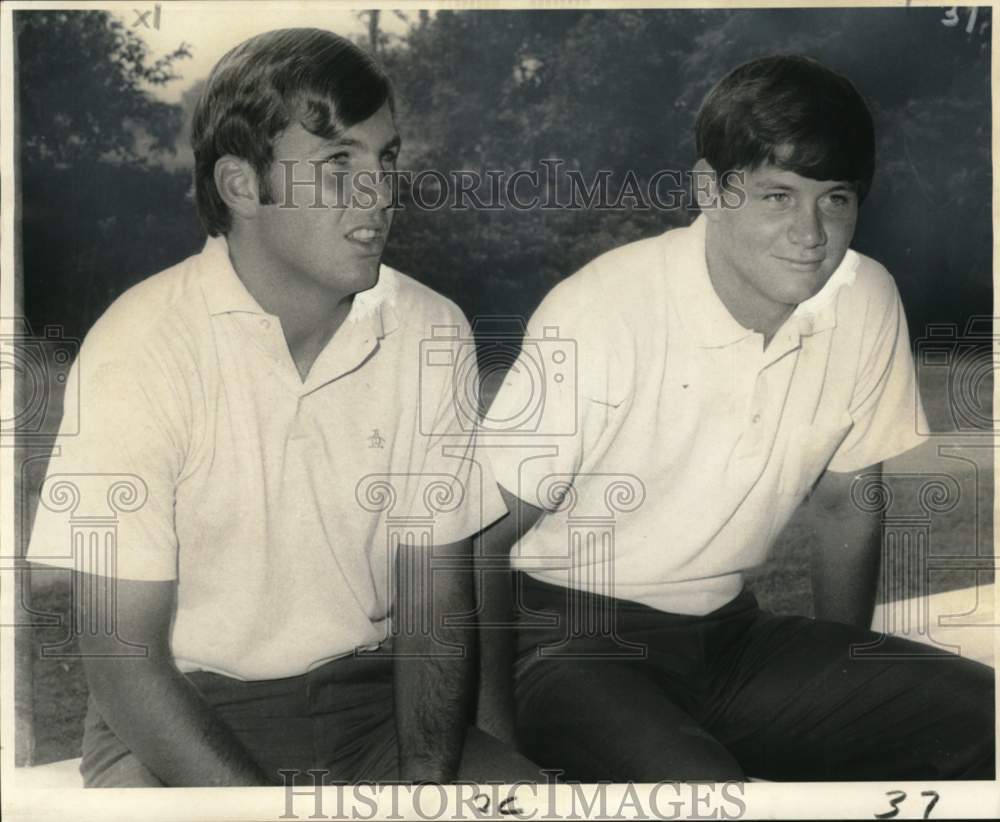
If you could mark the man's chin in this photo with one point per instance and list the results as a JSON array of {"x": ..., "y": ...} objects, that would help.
[
  {"x": 799, "y": 292},
  {"x": 367, "y": 277}
]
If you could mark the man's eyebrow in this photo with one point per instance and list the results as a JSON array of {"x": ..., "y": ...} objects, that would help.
[
  {"x": 350, "y": 142},
  {"x": 394, "y": 143},
  {"x": 776, "y": 184},
  {"x": 341, "y": 142}
]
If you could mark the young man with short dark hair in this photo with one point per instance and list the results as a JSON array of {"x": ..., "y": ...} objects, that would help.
[
  {"x": 259, "y": 400},
  {"x": 725, "y": 373}
]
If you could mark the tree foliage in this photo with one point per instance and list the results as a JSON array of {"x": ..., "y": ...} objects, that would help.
[
  {"x": 100, "y": 211},
  {"x": 81, "y": 89},
  {"x": 618, "y": 91},
  {"x": 601, "y": 91}
]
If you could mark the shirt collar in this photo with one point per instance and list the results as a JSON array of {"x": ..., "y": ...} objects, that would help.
[
  {"x": 819, "y": 312},
  {"x": 378, "y": 303},
  {"x": 704, "y": 314},
  {"x": 225, "y": 292},
  {"x": 708, "y": 318}
]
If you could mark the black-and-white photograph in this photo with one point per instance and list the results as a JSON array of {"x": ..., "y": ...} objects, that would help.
[{"x": 440, "y": 411}]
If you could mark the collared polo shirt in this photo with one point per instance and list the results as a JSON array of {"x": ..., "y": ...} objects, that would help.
[
  {"x": 276, "y": 503},
  {"x": 677, "y": 446}
]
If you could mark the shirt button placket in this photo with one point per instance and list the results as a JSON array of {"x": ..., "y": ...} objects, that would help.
[
  {"x": 298, "y": 421},
  {"x": 757, "y": 406}
]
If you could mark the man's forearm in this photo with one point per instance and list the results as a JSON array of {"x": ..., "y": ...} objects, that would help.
[
  {"x": 496, "y": 710},
  {"x": 845, "y": 561},
  {"x": 162, "y": 719},
  {"x": 495, "y": 707},
  {"x": 845, "y": 584},
  {"x": 434, "y": 666},
  {"x": 433, "y": 700}
]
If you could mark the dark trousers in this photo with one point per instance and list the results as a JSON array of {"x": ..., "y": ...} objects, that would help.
[
  {"x": 739, "y": 692},
  {"x": 338, "y": 718}
]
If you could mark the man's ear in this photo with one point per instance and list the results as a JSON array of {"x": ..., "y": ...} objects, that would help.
[
  {"x": 705, "y": 188},
  {"x": 237, "y": 184}
]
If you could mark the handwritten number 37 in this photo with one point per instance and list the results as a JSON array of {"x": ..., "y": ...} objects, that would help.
[
  {"x": 951, "y": 19},
  {"x": 896, "y": 798}
]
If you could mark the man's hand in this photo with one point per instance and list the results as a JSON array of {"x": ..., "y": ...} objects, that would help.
[
  {"x": 149, "y": 704},
  {"x": 846, "y": 551},
  {"x": 433, "y": 670},
  {"x": 495, "y": 712}
]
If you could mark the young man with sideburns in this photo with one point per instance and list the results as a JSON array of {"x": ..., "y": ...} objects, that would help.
[{"x": 258, "y": 398}]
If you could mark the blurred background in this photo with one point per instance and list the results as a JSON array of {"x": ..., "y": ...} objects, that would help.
[{"x": 105, "y": 178}]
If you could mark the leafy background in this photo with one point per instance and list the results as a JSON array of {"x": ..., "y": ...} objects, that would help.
[{"x": 106, "y": 167}]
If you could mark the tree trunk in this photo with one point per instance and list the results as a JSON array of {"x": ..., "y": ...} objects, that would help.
[{"x": 373, "y": 15}]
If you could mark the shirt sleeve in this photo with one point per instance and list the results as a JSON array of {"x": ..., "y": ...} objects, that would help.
[
  {"x": 554, "y": 405},
  {"x": 452, "y": 483},
  {"x": 107, "y": 503},
  {"x": 886, "y": 410}
]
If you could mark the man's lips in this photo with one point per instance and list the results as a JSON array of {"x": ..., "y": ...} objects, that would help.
[
  {"x": 369, "y": 237},
  {"x": 811, "y": 263}
]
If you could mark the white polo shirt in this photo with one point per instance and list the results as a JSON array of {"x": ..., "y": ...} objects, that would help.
[
  {"x": 272, "y": 501},
  {"x": 679, "y": 432}
]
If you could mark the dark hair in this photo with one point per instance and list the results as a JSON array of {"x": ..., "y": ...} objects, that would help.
[
  {"x": 317, "y": 78},
  {"x": 793, "y": 112}
]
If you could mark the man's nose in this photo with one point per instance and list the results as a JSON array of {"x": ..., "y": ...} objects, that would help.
[
  {"x": 807, "y": 228},
  {"x": 384, "y": 189}
]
